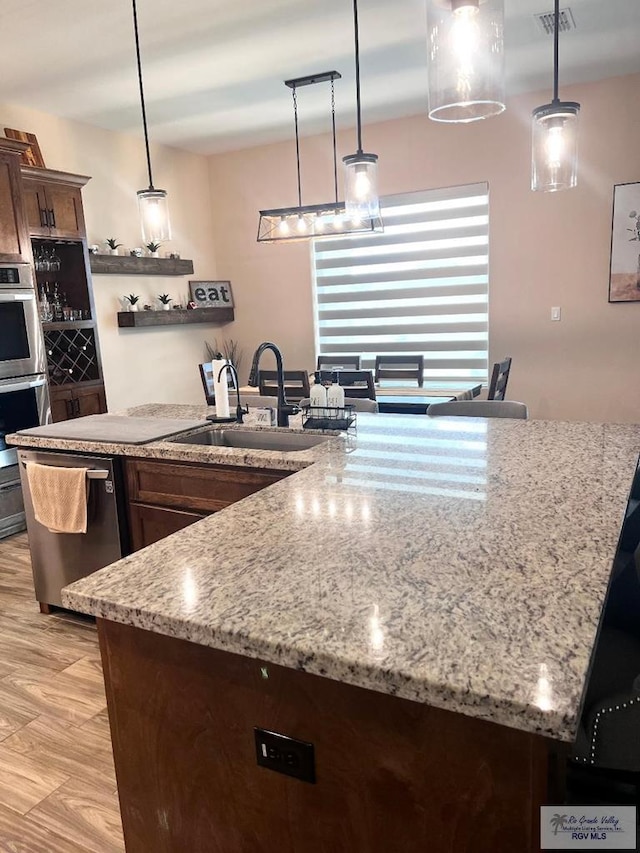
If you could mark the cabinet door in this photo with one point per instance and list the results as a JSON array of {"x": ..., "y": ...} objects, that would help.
[
  {"x": 62, "y": 408},
  {"x": 64, "y": 211},
  {"x": 149, "y": 524},
  {"x": 89, "y": 401},
  {"x": 14, "y": 237},
  {"x": 35, "y": 202}
]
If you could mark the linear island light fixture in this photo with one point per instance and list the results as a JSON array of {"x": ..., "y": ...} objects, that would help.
[
  {"x": 360, "y": 212},
  {"x": 465, "y": 59},
  {"x": 152, "y": 203},
  {"x": 554, "y": 160}
]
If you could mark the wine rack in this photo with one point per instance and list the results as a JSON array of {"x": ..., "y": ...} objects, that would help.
[{"x": 71, "y": 355}]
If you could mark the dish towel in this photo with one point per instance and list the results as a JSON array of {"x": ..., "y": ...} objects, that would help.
[{"x": 59, "y": 497}]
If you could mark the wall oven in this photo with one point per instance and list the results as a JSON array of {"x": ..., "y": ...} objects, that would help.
[{"x": 21, "y": 345}]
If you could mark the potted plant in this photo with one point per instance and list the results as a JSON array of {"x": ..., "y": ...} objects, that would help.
[
  {"x": 153, "y": 249},
  {"x": 164, "y": 299},
  {"x": 132, "y": 299},
  {"x": 113, "y": 245}
]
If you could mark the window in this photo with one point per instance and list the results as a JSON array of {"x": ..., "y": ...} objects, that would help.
[{"x": 421, "y": 286}]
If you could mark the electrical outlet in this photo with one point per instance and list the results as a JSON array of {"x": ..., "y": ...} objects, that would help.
[
  {"x": 285, "y": 755},
  {"x": 556, "y": 314}
]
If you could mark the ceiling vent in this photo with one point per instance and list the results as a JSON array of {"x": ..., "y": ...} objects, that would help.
[{"x": 545, "y": 21}]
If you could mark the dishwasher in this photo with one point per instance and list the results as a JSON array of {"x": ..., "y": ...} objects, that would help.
[{"x": 59, "y": 559}]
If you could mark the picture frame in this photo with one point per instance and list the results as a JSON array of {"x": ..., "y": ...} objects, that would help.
[
  {"x": 211, "y": 294},
  {"x": 33, "y": 155},
  {"x": 624, "y": 266}
]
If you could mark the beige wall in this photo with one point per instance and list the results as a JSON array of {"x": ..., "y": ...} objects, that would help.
[
  {"x": 140, "y": 365},
  {"x": 546, "y": 249}
]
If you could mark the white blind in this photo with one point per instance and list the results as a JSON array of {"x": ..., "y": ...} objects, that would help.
[{"x": 419, "y": 287}]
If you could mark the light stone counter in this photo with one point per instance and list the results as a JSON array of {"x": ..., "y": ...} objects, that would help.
[{"x": 461, "y": 563}]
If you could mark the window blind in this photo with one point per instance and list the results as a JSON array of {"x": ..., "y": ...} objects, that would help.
[{"x": 420, "y": 287}]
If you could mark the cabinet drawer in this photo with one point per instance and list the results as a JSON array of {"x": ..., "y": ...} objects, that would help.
[
  {"x": 149, "y": 524},
  {"x": 205, "y": 488}
]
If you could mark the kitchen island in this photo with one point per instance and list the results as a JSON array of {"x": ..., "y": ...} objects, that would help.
[{"x": 419, "y": 602}]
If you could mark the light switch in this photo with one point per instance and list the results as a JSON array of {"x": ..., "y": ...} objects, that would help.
[{"x": 556, "y": 314}]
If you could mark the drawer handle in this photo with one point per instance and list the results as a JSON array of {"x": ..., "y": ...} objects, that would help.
[{"x": 9, "y": 487}]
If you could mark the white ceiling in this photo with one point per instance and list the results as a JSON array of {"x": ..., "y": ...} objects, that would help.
[{"x": 213, "y": 69}]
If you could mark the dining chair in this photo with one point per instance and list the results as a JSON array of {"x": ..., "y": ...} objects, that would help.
[
  {"x": 357, "y": 383},
  {"x": 338, "y": 362},
  {"x": 296, "y": 384},
  {"x": 499, "y": 379},
  {"x": 480, "y": 409},
  {"x": 400, "y": 367},
  {"x": 206, "y": 377}
]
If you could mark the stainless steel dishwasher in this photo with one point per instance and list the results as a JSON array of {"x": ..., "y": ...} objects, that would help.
[{"x": 59, "y": 559}]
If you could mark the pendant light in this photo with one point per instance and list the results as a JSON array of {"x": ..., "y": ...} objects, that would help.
[
  {"x": 328, "y": 219},
  {"x": 361, "y": 169},
  {"x": 554, "y": 162},
  {"x": 152, "y": 203},
  {"x": 465, "y": 59}
]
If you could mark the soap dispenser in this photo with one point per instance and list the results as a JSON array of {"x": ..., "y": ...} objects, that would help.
[
  {"x": 318, "y": 395},
  {"x": 335, "y": 397}
]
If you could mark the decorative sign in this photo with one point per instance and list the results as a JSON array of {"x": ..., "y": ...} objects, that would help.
[
  {"x": 624, "y": 279},
  {"x": 211, "y": 294}
]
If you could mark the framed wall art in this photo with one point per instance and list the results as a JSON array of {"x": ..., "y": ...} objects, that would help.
[{"x": 624, "y": 275}]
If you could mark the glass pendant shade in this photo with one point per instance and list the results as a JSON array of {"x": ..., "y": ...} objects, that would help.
[
  {"x": 361, "y": 186},
  {"x": 554, "y": 164},
  {"x": 465, "y": 59},
  {"x": 154, "y": 215}
]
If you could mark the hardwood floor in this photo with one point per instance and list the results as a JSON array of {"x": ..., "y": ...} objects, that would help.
[{"x": 57, "y": 783}]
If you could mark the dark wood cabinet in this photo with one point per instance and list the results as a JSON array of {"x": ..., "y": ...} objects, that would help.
[
  {"x": 14, "y": 237},
  {"x": 75, "y": 402},
  {"x": 149, "y": 524},
  {"x": 166, "y": 496},
  {"x": 54, "y": 206}
]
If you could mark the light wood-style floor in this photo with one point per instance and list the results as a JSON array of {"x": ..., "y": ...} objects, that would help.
[{"x": 57, "y": 784}]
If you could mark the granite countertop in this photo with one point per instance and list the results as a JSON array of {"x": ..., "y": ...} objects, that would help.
[
  {"x": 194, "y": 453},
  {"x": 461, "y": 563}
]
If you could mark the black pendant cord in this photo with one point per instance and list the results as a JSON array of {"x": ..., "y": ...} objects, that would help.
[
  {"x": 142, "y": 104},
  {"x": 333, "y": 127},
  {"x": 295, "y": 119},
  {"x": 358, "y": 109},
  {"x": 556, "y": 50}
]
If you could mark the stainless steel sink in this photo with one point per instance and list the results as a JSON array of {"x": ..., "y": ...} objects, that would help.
[{"x": 284, "y": 442}]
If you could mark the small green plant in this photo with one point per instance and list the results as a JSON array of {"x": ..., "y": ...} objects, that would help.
[
  {"x": 132, "y": 298},
  {"x": 112, "y": 243},
  {"x": 164, "y": 298},
  {"x": 153, "y": 247}
]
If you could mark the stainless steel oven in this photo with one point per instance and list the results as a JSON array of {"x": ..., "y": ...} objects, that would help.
[
  {"x": 24, "y": 402},
  {"x": 21, "y": 345}
]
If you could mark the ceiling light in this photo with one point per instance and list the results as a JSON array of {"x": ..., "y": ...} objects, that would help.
[
  {"x": 152, "y": 203},
  {"x": 554, "y": 161},
  {"x": 303, "y": 222},
  {"x": 361, "y": 170},
  {"x": 465, "y": 59}
]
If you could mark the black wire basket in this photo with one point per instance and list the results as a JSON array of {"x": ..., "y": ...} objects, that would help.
[{"x": 328, "y": 417}]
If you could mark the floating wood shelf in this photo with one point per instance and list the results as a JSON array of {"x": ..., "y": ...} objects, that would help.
[
  {"x": 174, "y": 317},
  {"x": 130, "y": 265}
]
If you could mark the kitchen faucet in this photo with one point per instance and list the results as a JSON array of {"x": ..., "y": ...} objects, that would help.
[
  {"x": 284, "y": 409},
  {"x": 239, "y": 410}
]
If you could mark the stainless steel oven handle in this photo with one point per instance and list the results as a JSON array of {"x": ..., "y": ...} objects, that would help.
[
  {"x": 10, "y": 387},
  {"x": 9, "y": 487},
  {"x": 17, "y": 297}
]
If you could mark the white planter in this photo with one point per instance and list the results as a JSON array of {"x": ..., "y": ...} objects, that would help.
[
  {"x": 166, "y": 307},
  {"x": 154, "y": 255},
  {"x": 133, "y": 307},
  {"x": 114, "y": 252}
]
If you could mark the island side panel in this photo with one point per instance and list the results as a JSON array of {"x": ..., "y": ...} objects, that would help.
[{"x": 391, "y": 774}]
